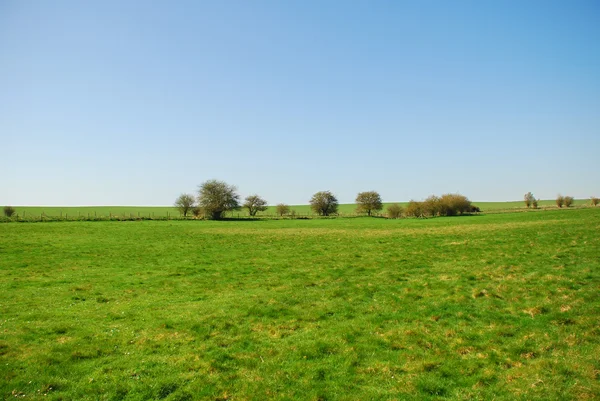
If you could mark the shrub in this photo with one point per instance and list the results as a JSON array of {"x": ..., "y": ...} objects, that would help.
[
  {"x": 414, "y": 209},
  {"x": 394, "y": 211},
  {"x": 368, "y": 202},
  {"x": 185, "y": 203},
  {"x": 197, "y": 211},
  {"x": 9, "y": 211},
  {"x": 594, "y": 200},
  {"x": 254, "y": 204},
  {"x": 432, "y": 206},
  {"x": 560, "y": 201},
  {"x": 454, "y": 204},
  {"x": 534, "y": 203},
  {"x": 529, "y": 198},
  {"x": 324, "y": 203},
  {"x": 216, "y": 197},
  {"x": 569, "y": 201},
  {"x": 282, "y": 209}
]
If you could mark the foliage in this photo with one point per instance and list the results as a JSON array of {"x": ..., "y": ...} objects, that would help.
[
  {"x": 9, "y": 211},
  {"x": 216, "y": 197},
  {"x": 282, "y": 209},
  {"x": 185, "y": 203},
  {"x": 254, "y": 204},
  {"x": 415, "y": 209},
  {"x": 394, "y": 211},
  {"x": 364, "y": 309},
  {"x": 324, "y": 203},
  {"x": 529, "y": 199},
  {"x": 368, "y": 202},
  {"x": 197, "y": 211},
  {"x": 560, "y": 201},
  {"x": 594, "y": 200},
  {"x": 432, "y": 206},
  {"x": 569, "y": 201},
  {"x": 454, "y": 204}
]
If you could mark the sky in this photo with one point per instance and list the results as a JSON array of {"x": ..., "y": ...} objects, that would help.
[{"x": 134, "y": 102}]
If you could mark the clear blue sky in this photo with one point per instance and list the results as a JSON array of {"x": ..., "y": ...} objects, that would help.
[{"x": 134, "y": 102}]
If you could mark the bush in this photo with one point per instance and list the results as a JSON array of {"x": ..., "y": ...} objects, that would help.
[
  {"x": 560, "y": 201},
  {"x": 529, "y": 199},
  {"x": 594, "y": 200},
  {"x": 534, "y": 203},
  {"x": 569, "y": 201},
  {"x": 394, "y": 211},
  {"x": 197, "y": 211},
  {"x": 282, "y": 209},
  {"x": 216, "y": 197},
  {"x": 415, "y": 209},
  {"x": 9, "y": 211},
  {"x": 454, "y": 204},
  {"x": 432, "y": 206},
  {"x": 368, "y": 202},
  {"x": 324, "y": 203}
]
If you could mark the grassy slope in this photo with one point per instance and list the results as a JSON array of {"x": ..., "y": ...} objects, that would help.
[
  {"x": 147, "y": 211},
  {"x": 502, "y": 306}
]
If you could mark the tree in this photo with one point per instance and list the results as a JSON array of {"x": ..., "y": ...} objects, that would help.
[
  {"x": 368, "y": 202},
  {"x": 560, "y": 200},
  {"x": 453, "y": 204},
  {"x": 394, "y": 211},
  {"x": 324, "y": 203},
  {"x": 569, "y": 201},
  {"x": 415, "y": 209},
  {"x": 529, "y": 198},
  {"x": 216, "y": 197},
  {"x": 185, "y": 203},
  {"x": 282, "y": 209},
  {"x": 594, "y": 200},
  {"x": 255, "y": 203},
  {"x": 432, "y": 206},
  {"x": 9, "y": 211}
]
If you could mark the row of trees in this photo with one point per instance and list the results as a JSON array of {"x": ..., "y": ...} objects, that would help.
[
  {"x": 567, "y": 201},
  {"x": 215, "y": 198}
]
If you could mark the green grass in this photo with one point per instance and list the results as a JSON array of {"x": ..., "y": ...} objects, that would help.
[
  {"x": 501, "y": 306},
  {"x": 301, "y": 210}
]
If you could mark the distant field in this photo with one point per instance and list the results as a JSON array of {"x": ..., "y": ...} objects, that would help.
[
  {"x": 501, "y": 306},
  {"x": 302, "y": 210}
]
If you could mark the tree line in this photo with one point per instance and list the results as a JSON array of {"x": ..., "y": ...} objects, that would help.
[{"x": 215, "y": 198}]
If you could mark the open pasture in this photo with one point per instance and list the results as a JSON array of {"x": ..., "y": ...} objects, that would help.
[{"x": 502, "y": 306}]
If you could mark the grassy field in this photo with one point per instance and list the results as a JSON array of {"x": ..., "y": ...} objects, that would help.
[
  {"x": 301, "y": 210},
  {"x": 500, "y": 306}
]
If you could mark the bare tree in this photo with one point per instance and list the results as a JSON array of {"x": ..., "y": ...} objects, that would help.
[
  {"x": 254, "y": 204},
  {"x": 560, "y": 200},
  {"x": 217, "y": 197},
  {"x": 394, "y": 211},
  {"x": 185, "y": 203},
  {"x": 324, "y": 203},
  {"x": 282, "y": 209},
  {"x": 368, "y": 202}
]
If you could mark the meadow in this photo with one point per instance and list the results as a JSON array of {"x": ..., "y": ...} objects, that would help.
[
  {"x": 499, "y": 306},
  {"x": 347, "y": 209}
]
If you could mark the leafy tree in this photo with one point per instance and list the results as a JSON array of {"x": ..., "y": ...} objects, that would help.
[
  {"x": 9, "y": 211},
  {"x": 324, "y": 203},
  {"x": 282, "y": 209},
  {"x": 394, "y": 211},
  {"x": 569, "y": 201},
  {"x": 594, "y": 200},
  {"x": 368, "y": 202},
  {"x": 560, "y": 200},
  {"x": 185, "y": 203},
  {"x": 217, "y": 197},
  {"x": 254, "y": 204},
  {"x": 432, "y": 206},
  {"x": 529, "y": 198}
]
